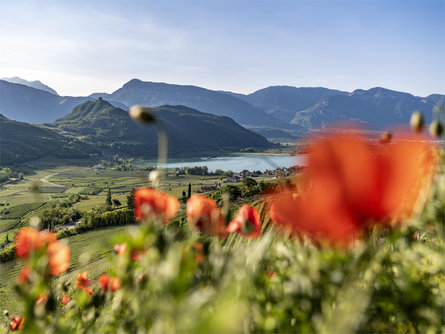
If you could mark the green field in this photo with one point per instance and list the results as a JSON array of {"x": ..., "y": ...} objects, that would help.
[{"x": 87, "y": 250}]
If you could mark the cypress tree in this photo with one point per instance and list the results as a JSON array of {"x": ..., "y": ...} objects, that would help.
[
  {"x": 108, "y": 200},
  {"x": 189, "y": 191}
]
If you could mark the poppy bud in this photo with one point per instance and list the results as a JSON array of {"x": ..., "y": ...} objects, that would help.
[
  {"x": 155, "y": 178},
  {"x": 142, "y": 115},
  {"x": 436, "y": 129},
  {"x": 386, "y": 137},
  {"x": 416, "y": 121}
]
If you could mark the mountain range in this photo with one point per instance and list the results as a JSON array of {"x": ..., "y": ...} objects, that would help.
[
  {"x": 98, "y": 127},
  {"x": 34, "y": 84},
  {"x": 282, "y": 111}
]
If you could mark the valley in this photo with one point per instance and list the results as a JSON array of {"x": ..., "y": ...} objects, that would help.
[{"x": 89, "y": 186}]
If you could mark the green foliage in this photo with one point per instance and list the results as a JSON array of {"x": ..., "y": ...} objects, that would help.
[
  {"x": 130, "y": 200},
  {"x": 7, "y": 173},
  {"x": 91, "y": 190},
  {"x": 108, "y": 201},
  {"x": 7, "y": 254}
]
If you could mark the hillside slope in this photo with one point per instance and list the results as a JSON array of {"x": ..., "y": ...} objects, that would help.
[
  {"x": 21, "y": 142},
  {"x": 190, "y": 132}
]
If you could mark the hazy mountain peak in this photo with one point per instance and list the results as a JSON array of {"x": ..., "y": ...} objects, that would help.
[
  {"x": 381, "y": 92},
  {"x": 133, "y": 83},
  {"x": 34, "y": 84}
]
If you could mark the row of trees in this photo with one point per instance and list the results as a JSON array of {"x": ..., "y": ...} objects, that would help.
[
  {"x": 60, "y": 213},
  {"x": 7, "y": 173}
]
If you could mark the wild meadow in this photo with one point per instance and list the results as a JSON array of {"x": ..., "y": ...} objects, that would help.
[{"x": 352, "y": 243}]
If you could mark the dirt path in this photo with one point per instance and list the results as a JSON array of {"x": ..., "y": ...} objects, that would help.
[{"x": 45, "y": 180}]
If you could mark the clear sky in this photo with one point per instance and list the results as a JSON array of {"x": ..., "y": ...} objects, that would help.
[{"x": 81, "y": 47}]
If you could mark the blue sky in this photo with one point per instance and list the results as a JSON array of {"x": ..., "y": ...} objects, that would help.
[{"x": 81, "y": 47}]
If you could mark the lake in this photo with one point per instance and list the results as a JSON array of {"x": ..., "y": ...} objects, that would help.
[{"x": 236, "y": 163}]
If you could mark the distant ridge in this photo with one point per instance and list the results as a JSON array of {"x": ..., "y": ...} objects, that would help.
[
  {"x": 377, "y": 108},
  {"x": 293, "y": 110},
  {"x": 27, "y": 104},
  {"x": 34, "y": 84},
  {"x": 154, "y": 94},
  {"x": 284, "y": 101}
]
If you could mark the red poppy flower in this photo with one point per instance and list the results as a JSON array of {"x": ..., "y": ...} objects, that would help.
[
  {"x": 269, "y": 273},
  {"x": 47, "y": 238},
  {"x": 109, "y": 283},
  {"x": 59, "y": 258},
  {"x": 247, "y": 222},
  {"x": 17, "y": 323},
  {"x": 120, "y": 248},
  {"x": 65, "y": 299},
  {"x": 204, "y": 215},
  {"x": 198, "y": 246},
  {"x": 136, "y": 254},
  {"x": 154, "y": 204},
  {"x": 352, "y": 182},
  {"x": 26, "y": 241},
  {"x": 29, "y": 239},
  {"x": 24, "y": 274},
  {"x": 82, "y": 281}
]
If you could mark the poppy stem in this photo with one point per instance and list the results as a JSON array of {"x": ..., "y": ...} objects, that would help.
[{"x": 162, "y": 145}]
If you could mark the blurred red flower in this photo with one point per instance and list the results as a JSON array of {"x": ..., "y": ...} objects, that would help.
[
  {"x": 24, "y": 274},
  {"x": 65, "y": 299},
  {"x": 198, "y": 246},
  {"x": 26, "y": 241},
  {"x": 135, "y": 255},
  {"x": 17, "y": 322},
  {"x": 59, "y": 258},
  {"x": 42, "y": 298},
  {"x": 120, "y": 248},
  {"x": 352, "y": 182},
  {"x": 204, "y": 215},
  {"x": 107, "y": 282},
  {"x": 82, "y": 281},
  {"x": 154, "y": 204},
  {"x": 29, "y": 239},
  {"x": 247, "y": 222}
]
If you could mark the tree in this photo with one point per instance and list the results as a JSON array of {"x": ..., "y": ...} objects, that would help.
[
  {"x": 116, "y": 202},
  {"x": 249, "y": 182},
  {"x": 108, "y": 200},
  {"x": 130, "y": 201},
  {"x": 189, "y": 194}
]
